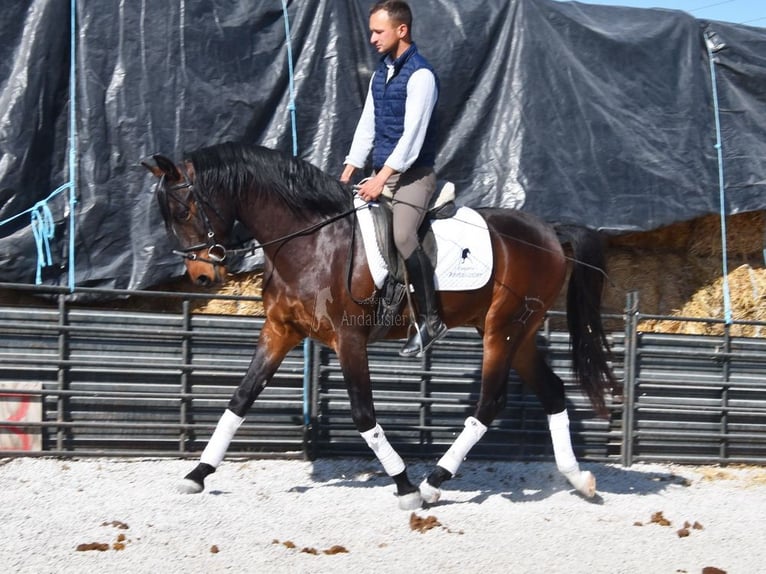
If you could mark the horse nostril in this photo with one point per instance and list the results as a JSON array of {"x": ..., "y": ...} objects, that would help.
[{"x": 204, "y": 281}]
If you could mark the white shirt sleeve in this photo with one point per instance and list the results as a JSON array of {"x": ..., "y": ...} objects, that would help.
[
  {"x": 421, "y": 100},
  {"x": 364, "y": 136}
]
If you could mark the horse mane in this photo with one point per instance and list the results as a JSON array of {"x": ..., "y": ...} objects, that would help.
[{"x": 240, "y": 169}]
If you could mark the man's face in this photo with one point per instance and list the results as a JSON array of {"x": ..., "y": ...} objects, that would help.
[{"x": 385, "y": 33}]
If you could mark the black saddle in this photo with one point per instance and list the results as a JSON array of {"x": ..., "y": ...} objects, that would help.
[
  {"x": 392, "y": 294},
  {"x": 442, "y": 206}
]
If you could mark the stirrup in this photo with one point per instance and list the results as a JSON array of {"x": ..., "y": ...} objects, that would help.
[{"x": 415, "y": 347}]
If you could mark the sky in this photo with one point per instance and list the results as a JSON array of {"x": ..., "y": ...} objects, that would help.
[{"x": 749, "y": 12}]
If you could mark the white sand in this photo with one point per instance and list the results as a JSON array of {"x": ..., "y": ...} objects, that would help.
[{"x": 282, "y": 516}]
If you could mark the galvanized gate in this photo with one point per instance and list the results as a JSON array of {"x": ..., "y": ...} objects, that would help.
[{"x": 122, "y": 383}]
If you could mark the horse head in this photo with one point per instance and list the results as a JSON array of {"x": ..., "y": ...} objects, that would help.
[{"x": 191, "y": 220}]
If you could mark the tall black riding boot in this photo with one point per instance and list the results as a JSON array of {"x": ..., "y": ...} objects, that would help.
[{"x": 429, "y": 327}]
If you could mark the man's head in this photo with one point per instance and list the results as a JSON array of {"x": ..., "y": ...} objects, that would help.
[{"x": 390, "y": 24}]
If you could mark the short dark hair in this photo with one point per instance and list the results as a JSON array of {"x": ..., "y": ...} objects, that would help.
[{"x": 398, "y": 11}]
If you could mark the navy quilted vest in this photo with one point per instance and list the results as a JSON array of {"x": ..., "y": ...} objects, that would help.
[{"x": 389, "y": 101}]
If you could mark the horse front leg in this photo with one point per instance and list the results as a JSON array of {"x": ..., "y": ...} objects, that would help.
[
  {"x": 549, "y": 389},
  {"x": 356, "y": 374},
  {"x": 271, "y": 350}
]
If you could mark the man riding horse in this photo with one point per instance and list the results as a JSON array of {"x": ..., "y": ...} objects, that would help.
[{"x": 397, "y": 125}]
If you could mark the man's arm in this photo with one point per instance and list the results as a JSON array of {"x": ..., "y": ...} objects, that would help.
[{"x": 364, "y": 137}]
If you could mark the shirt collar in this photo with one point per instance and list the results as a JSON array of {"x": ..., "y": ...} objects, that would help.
[{"x": 399, "y": 62}]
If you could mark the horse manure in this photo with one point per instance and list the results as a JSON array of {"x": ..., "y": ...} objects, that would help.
[
  {"x": 116, "y": 524},
  {"x": 119, "y": 544},
  {"x": 336, "y": 549},
  {"x": 683, "y": 532},
  {"x": 214, "y": 549},
  {"x": 658, "y": 518},
  {"x": 422, "y": 524},
  {"x": 712, "y": 570},
  {"x": 100, "y": 546}
]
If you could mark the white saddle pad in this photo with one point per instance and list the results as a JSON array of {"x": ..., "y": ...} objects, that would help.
[{"x": 464, "y": 250}]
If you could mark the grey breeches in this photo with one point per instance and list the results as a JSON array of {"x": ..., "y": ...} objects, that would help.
[{"x": 412, "y": 191}]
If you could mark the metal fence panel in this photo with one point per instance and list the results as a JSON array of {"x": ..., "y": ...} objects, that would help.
[
  {"x": 116, "y": 382},
  {"x": 136, "y": 383}
]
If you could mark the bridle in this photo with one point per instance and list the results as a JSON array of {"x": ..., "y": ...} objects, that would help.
[{"x": 217, "y": 252}]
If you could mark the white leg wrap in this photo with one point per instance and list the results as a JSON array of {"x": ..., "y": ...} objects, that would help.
[
  {"x": 562, "y": 442},
  {"x": 471, "y": 434},
  {"x": 583, "y": 481},
  {"x": 388, "y": 457},
  {"x": 219, "y": 442}
]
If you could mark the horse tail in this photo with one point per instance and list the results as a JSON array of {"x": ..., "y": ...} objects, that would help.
[{"x": 590, "y": 349}]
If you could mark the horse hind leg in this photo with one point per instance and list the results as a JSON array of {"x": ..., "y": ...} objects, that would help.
[
  {"x": 582, "y": 480},
  {"x": 549, "y": 388},
  {"x": 498, "y": 350},
  {"x": 447, "y": 467}
]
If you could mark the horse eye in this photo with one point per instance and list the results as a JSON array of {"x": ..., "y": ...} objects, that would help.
[{"x": 183, "y": 214}]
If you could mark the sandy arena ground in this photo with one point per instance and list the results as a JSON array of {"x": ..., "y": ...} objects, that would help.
[{"x": 341, "y": 516}]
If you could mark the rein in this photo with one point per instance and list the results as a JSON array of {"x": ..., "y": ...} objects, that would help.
[{"x": 301, "y": 232}]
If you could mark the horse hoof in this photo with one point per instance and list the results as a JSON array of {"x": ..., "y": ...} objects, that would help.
[
  {"x": 584, "y": 482},
  {"x": 429, "y": 494},
  {"x": 411, "y": 501},
  {"x": 188, "y": 486}
]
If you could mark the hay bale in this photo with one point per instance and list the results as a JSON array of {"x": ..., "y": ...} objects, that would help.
[
  {"x": 243, "y": 285},
  {"x": 747, "y": 288},
  {"x": 744, "y": 234}
]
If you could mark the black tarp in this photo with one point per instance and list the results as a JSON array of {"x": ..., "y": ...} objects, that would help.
[{"x": 603, "y": 116}]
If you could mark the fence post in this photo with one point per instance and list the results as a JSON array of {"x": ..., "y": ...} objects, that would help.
[
  {"x": 631, "y": 360},
  {"x": 310, "y": 383},
  {"x": 185, "y": 386}
]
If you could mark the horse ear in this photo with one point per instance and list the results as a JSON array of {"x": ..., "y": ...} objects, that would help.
[{"x": 161, "y": 166}]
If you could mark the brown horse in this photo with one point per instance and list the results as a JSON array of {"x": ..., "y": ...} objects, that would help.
[{"x": 304, "y": 221}]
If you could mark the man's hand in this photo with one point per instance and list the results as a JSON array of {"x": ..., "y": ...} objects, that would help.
[
  {"x": 348, "y": 171},
  {"x": 371, "y": 188}
]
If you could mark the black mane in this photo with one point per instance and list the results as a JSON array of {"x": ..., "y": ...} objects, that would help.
[{"x": 239, "y": 168}]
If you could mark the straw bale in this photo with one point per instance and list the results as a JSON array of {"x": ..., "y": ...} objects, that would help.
[
  {"x": 747, "y": 288},
  {"x": 243, "y": 284},
  {"x": 744, "y": 232}
]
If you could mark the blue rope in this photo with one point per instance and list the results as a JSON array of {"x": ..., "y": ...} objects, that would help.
[
  {"x": 43, "y": 229},
  {"x": 72, "y": 139},
  {"x": 307, "y": 346},
  {"x": 710, "y": 44},
  {"x": 291, "y": 79}
]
